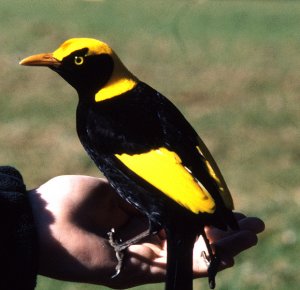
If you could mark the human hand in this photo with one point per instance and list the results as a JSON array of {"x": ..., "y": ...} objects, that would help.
[
  {"x": 73, "y": 215},
  {"x": 153, "y": 254}
]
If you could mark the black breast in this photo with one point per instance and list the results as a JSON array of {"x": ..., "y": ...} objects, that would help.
[{"x": 128, "y": 123}]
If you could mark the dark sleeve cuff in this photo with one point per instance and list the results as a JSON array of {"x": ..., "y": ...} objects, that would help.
[{"x": 18, "y": 240}]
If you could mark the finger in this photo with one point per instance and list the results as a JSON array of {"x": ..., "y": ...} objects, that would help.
[
  {"x": 226, "y": 262},
  {"x": 252, "y": 224},
  {"x": 162, "y": 235},
  {"x": 147, "y": 262},
  {"x": 239, "y": 215},
  {"x": 232, "y": 245},
  {"x": 149, "y": 251},
  {"x": 200, "y": 264}
]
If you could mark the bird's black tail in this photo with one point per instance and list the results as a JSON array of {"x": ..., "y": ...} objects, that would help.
[{"x": 179, "y": 260}]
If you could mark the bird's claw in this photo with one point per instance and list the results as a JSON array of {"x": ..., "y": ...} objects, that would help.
[
  {"x": 118, "y": 250},
  {"x": 212, "y": 268},
  {"x": 205, "y": 258}
]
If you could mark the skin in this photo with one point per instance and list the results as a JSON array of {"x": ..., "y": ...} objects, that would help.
[{"x": 73, "y": 215}]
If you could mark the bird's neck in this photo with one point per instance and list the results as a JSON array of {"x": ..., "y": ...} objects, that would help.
[{"x": 120, "y": 82}]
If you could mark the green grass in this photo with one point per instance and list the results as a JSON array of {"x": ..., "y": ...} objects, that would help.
[{"x": 231, "y": 66}]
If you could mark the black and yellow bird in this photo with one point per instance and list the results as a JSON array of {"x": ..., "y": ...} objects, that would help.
[{"x": 147, "y": 150}]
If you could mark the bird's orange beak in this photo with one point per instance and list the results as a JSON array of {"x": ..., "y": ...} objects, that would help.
[{"x": 42, "y": 59}]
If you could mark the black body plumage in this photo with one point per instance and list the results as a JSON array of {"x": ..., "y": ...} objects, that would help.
[{"x": 136, "y": 122}]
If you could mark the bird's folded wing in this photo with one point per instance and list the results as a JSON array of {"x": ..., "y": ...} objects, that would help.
[
  {"x": 164, "y": 170},
  {"x": 215, "y": 173}
]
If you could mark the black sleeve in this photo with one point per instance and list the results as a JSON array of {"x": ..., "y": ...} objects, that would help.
[{"x": 18, "y": 240}]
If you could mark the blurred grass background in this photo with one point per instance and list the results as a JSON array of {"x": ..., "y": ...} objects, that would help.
[{"x": 233, "y": 68}]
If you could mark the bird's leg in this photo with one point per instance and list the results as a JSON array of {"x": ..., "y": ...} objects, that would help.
[
  {"x": 119, "y": 246},
  {"x": 212, "y": 260},
  {"x": 119, "y": 252}
]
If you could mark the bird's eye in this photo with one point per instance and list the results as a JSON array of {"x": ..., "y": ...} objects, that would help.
[{"x": 78, "y": 60}]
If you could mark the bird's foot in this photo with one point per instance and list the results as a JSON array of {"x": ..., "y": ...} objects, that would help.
[
  {"x": 119, "y": 246},
  {"x": 212, "y": 263},
  {"x": 119, "y": 250}
]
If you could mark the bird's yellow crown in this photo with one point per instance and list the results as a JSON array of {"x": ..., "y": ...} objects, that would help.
[{"x": 94, "y": 47}]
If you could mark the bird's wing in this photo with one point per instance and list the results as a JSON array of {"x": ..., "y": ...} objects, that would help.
[
  {"x": 164, "y": 170},
  {"x": 183, "y": 137},
  {"x": 215, "y": 173},
  {"x": 161, "y": 147}
]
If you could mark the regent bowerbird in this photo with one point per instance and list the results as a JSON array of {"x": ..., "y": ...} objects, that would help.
[{"x": 147, "y": 150}]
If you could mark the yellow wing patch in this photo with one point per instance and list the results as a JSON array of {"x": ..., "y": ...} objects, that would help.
[{"x": 164, "y": 170}]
